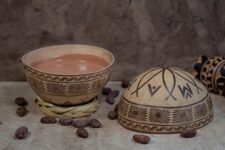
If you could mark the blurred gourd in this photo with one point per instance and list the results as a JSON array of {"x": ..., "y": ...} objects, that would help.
[{"x": 211, "y": 72}]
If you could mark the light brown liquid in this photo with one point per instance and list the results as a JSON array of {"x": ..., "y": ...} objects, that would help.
[{"x": 72, "y": 64}]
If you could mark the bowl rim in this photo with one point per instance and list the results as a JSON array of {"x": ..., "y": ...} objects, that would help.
[{"x": 41, "y": 48}]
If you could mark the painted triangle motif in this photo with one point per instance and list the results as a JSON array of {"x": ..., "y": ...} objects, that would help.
[{"x": 153, "y": 89}]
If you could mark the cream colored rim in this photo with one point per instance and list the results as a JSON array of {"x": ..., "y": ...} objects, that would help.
[{"x": 70, "y": 47}]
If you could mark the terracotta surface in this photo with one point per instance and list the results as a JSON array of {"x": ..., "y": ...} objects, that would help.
[
  {"x": 140, "y": 33},
  {"x": 112, "y": 136}
]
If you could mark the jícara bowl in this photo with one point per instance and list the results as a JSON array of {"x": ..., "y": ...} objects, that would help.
[{"x": 66, "y": 89}]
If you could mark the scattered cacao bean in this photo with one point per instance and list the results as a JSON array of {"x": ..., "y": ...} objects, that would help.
[
  {"x": 112, "y": 115},
  {"x": 80, "y": 123},
  {"x": 48, "y": 120},
  {"x": 21, "y": 111},
  {"x": 143, "y": 139},
  {"x": 114, "y": 93},
  {"x": 21, "y": 133},
  {"x": 188, "y": 133},
  {"x": 94, "y": 123},
  {"x": 116, "y": 108},
  {"x": 65, "y": 121},
  {"x": 125, "y": 83},
  {"x": 106, "y": 91},
  {"x": 21, "y": 101},
  {"x": 110, "y": 100},
  {"x": 82, "y": 132}
]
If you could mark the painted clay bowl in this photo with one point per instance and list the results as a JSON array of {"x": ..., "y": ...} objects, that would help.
[
  {"x": 61, "y": 89},
  {"x": 165, "y": 100}
]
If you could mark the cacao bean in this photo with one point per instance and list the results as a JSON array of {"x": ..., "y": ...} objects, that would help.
[
  {"x": 143, "y": 139},
  {"x": 112, "y": 115},
  {"x": 94, "y": 123},
  {"x": 21, "y": 111},
  {"x": 48, "y": 120},
  {"x": 21, "y": 132},
  {"x": 82, "y": 132},
  {"x": 21, "y": 101},
  {"x": 188, "y": 133},
  {"x": 106, "y": 91}
]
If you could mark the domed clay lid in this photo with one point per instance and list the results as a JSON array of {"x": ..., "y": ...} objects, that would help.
[{"x": 165, "y": 100}]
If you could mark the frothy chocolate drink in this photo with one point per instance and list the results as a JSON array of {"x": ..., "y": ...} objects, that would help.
[{"x": 72, "y": 64}]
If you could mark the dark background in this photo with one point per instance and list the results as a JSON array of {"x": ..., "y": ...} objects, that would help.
[{"x": 140, "y": 33}]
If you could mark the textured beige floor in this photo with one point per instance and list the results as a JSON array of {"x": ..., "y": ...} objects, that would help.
[{"x": 111, "y": 137}]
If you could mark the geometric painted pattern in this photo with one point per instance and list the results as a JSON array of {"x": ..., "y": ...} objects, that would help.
[
  {"x": 211, "y": 72},
  {"x": 156, "y": 119},
  {"x": 160, "y": 129},
  {"x": 157, "y": 115},
  {"x": 137, "y": 113},
  {"x": 66, "y": 84},
  {"x": 54, "y": 88},
  {"x": 181, "y": 116}
]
